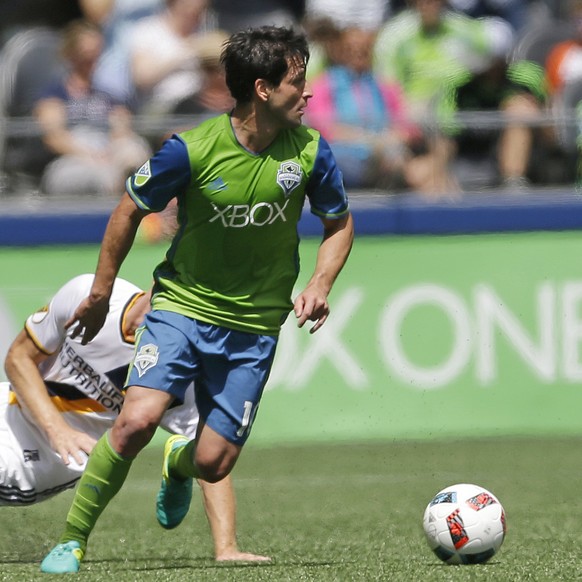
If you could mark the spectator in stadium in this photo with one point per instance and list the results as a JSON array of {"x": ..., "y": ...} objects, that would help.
[
  {"x": 62, "y": 396},
  {"x": 517, "y": 91},
  {"x": 234, "y": 15},
  {"x": 513, "y": 12},
  {"x": 425, "y": 48},
  {"x": 116, "y": 19},
  {"x": 225, "y": 287},
  {"x": 325, "y": 19},
  {"x": 365, "y": 14},
  {"x": 164, "y": 55},
  {"x": 21, "y": 15},
  {"x": 324, "y": 45},
  {"x": 86, "y": 130},
  {"x": 364, "y": 119},
  {"x": 564, "y": 62},
  {"x": 428, "y": 48},
  {"x": 213, "y": 97}
]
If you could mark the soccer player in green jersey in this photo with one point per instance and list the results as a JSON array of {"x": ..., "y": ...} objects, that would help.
[
  {"x": 62, "y": 396},
  {"x": 224, "y": 288}
]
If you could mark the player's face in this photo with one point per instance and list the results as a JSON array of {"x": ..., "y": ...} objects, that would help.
[{"x": 289, "y": 100}]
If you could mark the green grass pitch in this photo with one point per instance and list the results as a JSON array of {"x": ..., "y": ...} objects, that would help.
[{"x": 342, "y": 512}]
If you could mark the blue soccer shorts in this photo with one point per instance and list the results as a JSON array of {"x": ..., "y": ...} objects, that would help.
[{"x": 229, "y": 368}]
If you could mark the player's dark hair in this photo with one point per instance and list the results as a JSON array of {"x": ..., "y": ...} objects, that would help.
[{"x": 260, "y": 53}]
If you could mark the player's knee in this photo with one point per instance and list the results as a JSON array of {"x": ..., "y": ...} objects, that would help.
[
  {"x": 213, "y": 469},
  {"x": 211, "y": 474},
  {"x": 132, "y": 432},
  {"x": 215, "y": 456},
  {"x": 138, "y": 422}
]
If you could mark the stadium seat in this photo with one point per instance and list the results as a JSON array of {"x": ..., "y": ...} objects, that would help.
[
  {"x": 536, "y": 43},
  {"x": 28, "y": 62},
  {"x": 567, "y": 119}
]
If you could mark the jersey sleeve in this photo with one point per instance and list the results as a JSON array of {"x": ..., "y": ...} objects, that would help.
[
  {"x": 46, "y": 327},
  {"x": 325, "y": 189},
  {"x": 162, "y": 177}
]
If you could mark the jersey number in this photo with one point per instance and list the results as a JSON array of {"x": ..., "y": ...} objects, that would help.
[{"x": 247, "y": 419}]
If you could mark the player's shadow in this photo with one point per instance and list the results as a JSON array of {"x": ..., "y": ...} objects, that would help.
[{"x": 142, "y": 564}]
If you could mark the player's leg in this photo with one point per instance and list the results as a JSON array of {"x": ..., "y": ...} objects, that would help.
[
  {"x": 183, "y": 463},
  {"x": 210, "y": 457},
  {"x": 161, "y": 371},
  {"x": 107, "y": 469},
  {"x": 236, "y": 368},
  {"x": 138, "y": 420},
  {"x": 111, "y": 459}
]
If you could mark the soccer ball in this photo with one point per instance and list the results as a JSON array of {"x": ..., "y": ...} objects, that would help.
[{"x": 464, "y": 524}]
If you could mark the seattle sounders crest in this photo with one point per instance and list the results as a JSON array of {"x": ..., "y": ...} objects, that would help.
[
  {"x": 143, "y": 174},
  {"x": 289, "y": 176}
]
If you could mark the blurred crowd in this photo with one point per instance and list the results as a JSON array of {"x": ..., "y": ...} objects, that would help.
[{"x": 433, "y": 97}]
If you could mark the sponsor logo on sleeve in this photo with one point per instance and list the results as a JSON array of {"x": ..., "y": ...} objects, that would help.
[{"x": 40, "y": 314}]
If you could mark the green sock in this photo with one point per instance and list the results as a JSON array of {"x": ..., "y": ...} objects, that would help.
[
  {"x": 181, "y": 462},
  {"x": 102, "y": 479}
]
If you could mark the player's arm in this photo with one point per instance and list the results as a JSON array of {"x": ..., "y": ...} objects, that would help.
[
  {"x": 21, "y": 366},
  {"x": 220, "y": 507},
  {"x": 150, "y": 189},
  {"x": 333, "y": 252},
  {"x": 119, "y": 236}
]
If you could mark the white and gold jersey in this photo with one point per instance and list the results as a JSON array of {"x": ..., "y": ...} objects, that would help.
[{"x": 85, "y": 383}]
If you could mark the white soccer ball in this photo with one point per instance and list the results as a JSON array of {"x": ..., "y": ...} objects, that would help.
[{"x": 464, "y": 524}]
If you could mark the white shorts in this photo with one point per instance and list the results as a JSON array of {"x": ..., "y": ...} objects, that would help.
[{"x": 30, "y": 471}]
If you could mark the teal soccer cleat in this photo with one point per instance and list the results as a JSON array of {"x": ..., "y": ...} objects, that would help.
[
  {"x": 174, "y": 496},
  {"x": 63, "y": 559}
]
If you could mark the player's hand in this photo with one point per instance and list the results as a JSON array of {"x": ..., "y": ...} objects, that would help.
[
  {"x": 90, "y": 316},
  {"x": 311, "y": 305},
  {"x": 72, "y": 444}
]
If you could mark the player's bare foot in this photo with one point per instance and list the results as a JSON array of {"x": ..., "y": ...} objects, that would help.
[{"x": 236, "y": 556}]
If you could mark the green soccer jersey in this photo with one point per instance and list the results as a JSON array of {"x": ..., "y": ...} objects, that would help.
[
  {"x": 425, "y": 63},
  {"x": 234, "y": 259}
]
